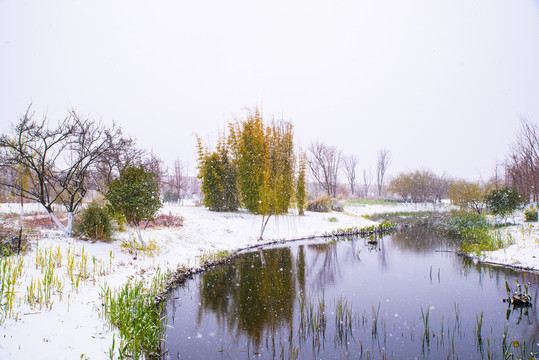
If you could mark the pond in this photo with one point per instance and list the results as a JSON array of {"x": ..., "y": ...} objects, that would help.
[{"x": 406, "y": 295}]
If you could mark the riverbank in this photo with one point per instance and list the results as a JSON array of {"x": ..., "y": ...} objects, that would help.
[
  {"x": 520, "y": 239},
  {"x": 522, "y": 251},
  {"x": 56, "y": 303}
]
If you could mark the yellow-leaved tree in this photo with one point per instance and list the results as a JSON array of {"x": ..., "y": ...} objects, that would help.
[{"x": 263, "y": 161}]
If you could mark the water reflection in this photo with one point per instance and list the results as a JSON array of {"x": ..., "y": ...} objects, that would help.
[
  {"x": 248, "y": 298},
  {"x": 362, "y": 297}
]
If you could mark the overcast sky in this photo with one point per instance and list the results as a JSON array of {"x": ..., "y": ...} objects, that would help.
[{"x": 443, "y": 84}]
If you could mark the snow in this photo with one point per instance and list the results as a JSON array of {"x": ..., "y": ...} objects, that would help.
[
  {"x": 523, "y": 253},
  {"x": 74, "y": 327}
]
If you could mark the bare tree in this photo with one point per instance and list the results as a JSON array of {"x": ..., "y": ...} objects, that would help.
[
  {"x": 528, "y": 152},
  {"x": 324, "y": 162},
  {"x": 156, "y": 166},
  {"x": 350, "y": 164},
  {"x": 124, "y": 153},
  {"x": 367, "y": 181},
  {"x": 54, "y": 163},
  {"x": 176, "y": 179},
  {"x": 89, "y": 141},
  {"x": 382, "y": 164}
]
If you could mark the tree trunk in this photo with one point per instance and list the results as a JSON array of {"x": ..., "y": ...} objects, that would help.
[
  {"x": 22, "y": 205},
  {"x": 262, "y": 259},
  {"x": 139, "y": 234},
  {"x": 264, "y": 223},
  {"x": 70, "y": 223},
  {"x": 59, "y": 224}
]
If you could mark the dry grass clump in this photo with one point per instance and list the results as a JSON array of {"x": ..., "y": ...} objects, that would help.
[
  {"x": 164, "y": 220},
  {"x": 320, "y": 204},
  {"x": 324, "y": 204}
]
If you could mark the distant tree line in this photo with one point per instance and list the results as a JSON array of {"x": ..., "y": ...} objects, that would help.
[
  {"x": 326, "y": 162},
  {"x": 419, "y": 186}
]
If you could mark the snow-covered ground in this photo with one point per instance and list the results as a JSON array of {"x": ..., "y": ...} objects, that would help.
[
  {"x": 73, "y": 327},
  {"x": 524, "y": 251}
]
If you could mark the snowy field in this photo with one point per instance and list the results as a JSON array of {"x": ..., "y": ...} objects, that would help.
[{"x": 73, "y": 327}]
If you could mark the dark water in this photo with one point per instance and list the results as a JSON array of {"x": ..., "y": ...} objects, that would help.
[{"x": 405, "y": 297}]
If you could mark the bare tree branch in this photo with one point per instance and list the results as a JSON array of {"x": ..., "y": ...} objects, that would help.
[
  {"x": 324, "y": 162},
  {"x": 382, "y": 164},
  {"x": 350, "y": 164}
]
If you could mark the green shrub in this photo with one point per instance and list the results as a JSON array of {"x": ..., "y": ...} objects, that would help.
[
  {"x": 95, "y": 222},
  {"x": 503, "y": 202},
  {"x": 530, "y": 215},
  {"x": 117, "y": 219},
  {"x": 320, "y": 204}
]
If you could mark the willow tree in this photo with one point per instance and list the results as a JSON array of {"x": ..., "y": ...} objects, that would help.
[
  {"x": 217, "y": 173},
  {"x": 254, "y": 164},
  {"x": 277, "y": 188},
  {"x": 301, "y": 183},
  {"x": 249, "y": 142}
]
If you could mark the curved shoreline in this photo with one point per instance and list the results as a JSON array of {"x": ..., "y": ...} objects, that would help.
[{"x": 74, "y": 327}]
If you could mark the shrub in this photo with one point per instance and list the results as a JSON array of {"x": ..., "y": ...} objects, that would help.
[
  {"x": 135, "y": 194},
  {"x": 530, "y": 215},
  {"x": 95, "y": 222},
  {"x": 320, "y": 204},
  {"x": 503, "y": 202},
  {"x": 117, "y": 219}
]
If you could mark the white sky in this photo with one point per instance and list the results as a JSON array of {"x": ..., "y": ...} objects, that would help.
[{"x": 441, "y": 83}]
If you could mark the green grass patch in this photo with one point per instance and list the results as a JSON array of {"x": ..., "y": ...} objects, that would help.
[
  {"x": 406, "y": 217},
  {"x": 359, "y": 202}
]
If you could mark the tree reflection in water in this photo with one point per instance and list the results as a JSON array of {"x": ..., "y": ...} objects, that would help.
[{"x": 250, "y": 298}]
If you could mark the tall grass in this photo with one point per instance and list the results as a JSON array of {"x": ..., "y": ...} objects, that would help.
[
  {"x": 475, "y": 232},
  {"x": 133, "y": 309},
  {"x": 10, "y": 274},
  {"x": 383, "y": 227}
]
